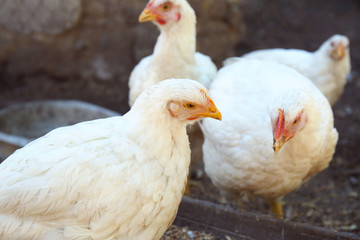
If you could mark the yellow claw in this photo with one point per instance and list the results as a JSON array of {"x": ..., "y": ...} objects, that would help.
[
  {"x": 187, "y": 187},
  {"x": 276, "y": 207}
]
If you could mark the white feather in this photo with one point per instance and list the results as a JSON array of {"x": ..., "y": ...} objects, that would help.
[
  {"x": 238, "y": 152},
  {"x": 327, "y": 74},
  {"x": 174, "y": 55},
  {"x": 115, "y": 178}
]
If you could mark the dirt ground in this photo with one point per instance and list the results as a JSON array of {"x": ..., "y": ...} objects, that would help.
[{"x": 332, "y": 198}]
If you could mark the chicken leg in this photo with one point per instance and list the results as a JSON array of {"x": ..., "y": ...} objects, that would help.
[{"x": 276, "y": 207}]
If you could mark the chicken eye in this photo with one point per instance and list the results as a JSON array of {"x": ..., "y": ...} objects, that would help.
[
  {"x": 166, "y": 6},
  {"x": 190, "y": 106},
  {"x": 295, "y": 122},
  {"x": 332, "y": 44}
]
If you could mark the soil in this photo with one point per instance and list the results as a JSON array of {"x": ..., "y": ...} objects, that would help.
[{"x": 183, "y": 233}]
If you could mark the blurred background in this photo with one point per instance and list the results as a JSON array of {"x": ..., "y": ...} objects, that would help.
[{"x": 85, "y": 50}]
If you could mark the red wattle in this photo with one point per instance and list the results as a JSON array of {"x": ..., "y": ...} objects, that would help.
[{"x": 160, "y": 21}]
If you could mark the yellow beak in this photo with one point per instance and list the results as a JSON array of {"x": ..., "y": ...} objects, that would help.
[
  {"x": 212, "y": 112},
  {"x": 147, "y": 15},
  {"x": 340, "y": 50},
  {"x": 278, "y": 144}
]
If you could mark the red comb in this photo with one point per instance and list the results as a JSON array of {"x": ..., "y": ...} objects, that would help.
[
  {"x": 150, "y": 3},
  {"x": 207, "y": 97},
  {"x": 280, "y": 124}
]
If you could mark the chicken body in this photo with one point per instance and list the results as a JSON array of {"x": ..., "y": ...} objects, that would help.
[
  {"x": 327, "y": 67},
  {"x": 174, "y": 54},
  {"x": 115, "y": 178},
  {"x": 239, "y": 152}
]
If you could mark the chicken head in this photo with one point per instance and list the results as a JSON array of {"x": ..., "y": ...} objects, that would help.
[
  {"x": 191, "y": 110},
  {"x": 160, "y": 11},
  {"x": 285, "y": 127},
  {"x": 338, "y": 46}
]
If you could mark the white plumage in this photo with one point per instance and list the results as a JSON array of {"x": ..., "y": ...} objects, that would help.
[
  {"x": 115, "y": 178},
  {"x": 238, "y": 152},
  {"x": 327, "y": 67},
  {"x": 174, "y": 54}
]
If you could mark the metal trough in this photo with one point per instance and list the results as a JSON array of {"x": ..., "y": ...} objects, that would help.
[{"x": 24, "y": 122}]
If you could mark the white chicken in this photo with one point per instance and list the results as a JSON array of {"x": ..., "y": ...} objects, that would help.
[
  {"x": 277, "y": 131},
  {"x": 114, "y": 178},
  {"x": 327, "y": 67},
  {"x": 174, "y": 54}
]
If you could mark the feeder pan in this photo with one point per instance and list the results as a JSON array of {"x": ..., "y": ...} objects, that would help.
[{"x": 21, "y": 123}]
